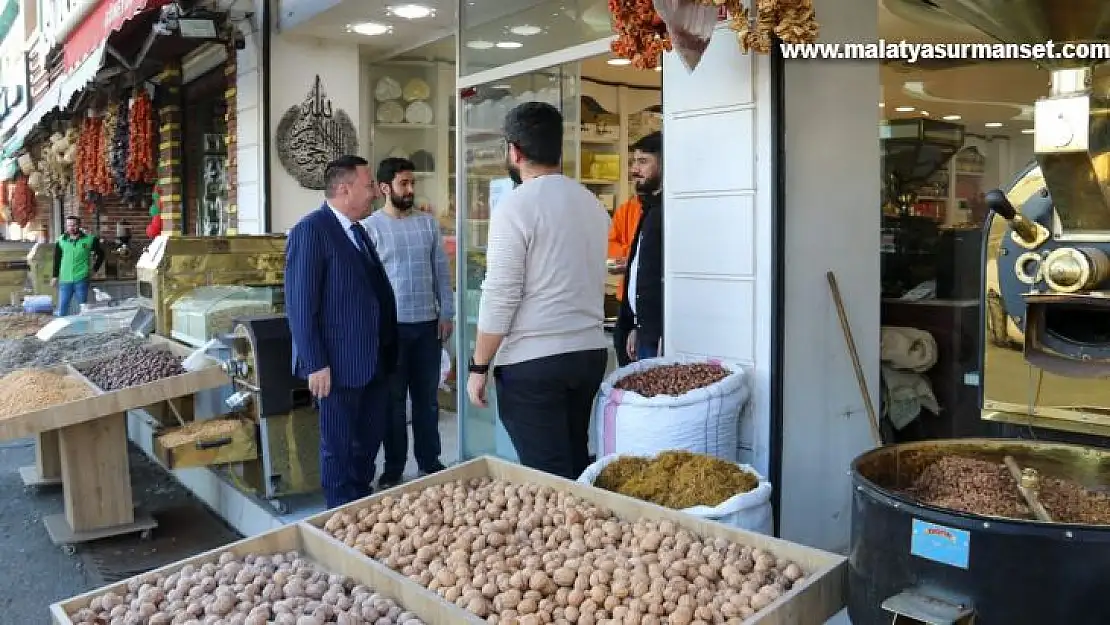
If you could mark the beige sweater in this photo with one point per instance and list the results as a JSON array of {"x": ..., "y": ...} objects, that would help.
[{"x": 545, "y": 270}]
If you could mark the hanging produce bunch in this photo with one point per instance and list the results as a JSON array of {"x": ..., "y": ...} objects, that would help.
[
  {"x": 55, "y": 164},
  {"x": 93, "y": 179},
  {"x": 23, "y": 202},
  {"x": 792, "y": 21},
  {"x": 141, "y": 167},
  {"x": 154, "y": 228},
  {"x": 641, "y": 34},
  {"x": 118, "y": 158},
  {"x": 5, "y": 204}
]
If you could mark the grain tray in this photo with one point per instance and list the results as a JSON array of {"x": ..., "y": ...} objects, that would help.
[
  {"x": 812, "y": 601},
  {"x": 318, "y": 548},
  {"x": 205, "y": 443}
]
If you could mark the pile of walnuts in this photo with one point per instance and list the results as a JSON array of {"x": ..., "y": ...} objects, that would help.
[
  {"x": 283, "y": 589},
  {"x": 530, "y": 555}
]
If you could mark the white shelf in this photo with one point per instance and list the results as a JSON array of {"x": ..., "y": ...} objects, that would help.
[{"x": 405, "y": 126}]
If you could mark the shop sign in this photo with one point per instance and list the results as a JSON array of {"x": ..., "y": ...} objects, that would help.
[{"x": 105, "y": 19}]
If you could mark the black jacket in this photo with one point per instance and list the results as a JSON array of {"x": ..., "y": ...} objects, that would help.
[{"x": 647, "y": 250}]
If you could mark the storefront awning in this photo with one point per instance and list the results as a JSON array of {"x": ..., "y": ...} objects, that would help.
[
  {"x": 47, "y": 103},
  {"x": 82, "y": 75},
  {"x": 108, "y": 17}
]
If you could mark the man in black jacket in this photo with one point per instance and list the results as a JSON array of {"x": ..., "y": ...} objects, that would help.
[{"x": 642, "y": 307}]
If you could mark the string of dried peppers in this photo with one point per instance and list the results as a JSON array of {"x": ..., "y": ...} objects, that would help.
[
  {"x": 88, "y": 153},
  {"x": 141, "y": 167},
  {"x": 23, "y": 202},
  {"x": 641, "y": 34},
  {"x": 792, "y": 21}
]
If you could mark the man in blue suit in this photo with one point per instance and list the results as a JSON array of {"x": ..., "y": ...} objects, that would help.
[{"x": 343, "y": 319}]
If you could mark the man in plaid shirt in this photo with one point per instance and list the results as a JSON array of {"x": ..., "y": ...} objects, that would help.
[{"x": 411, "y": 248}]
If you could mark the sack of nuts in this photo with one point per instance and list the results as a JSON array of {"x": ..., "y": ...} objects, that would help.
[{"x": 671, "y": 404}]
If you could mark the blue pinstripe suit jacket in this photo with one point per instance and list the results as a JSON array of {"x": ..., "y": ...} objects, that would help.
[{"x": 332, "y": 302}]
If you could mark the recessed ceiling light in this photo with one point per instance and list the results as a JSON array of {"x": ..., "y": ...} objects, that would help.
[
  {"x": 905, "y": 109},
  {"x": 509, "y": 45},
  {"x": 478, "y": 44},
  {"x": 952, "y": 118},
  {"x": 882, "y": 105},
  {"x": 1026, "y": 131},
  {"x": 526, "y": 30},
  {"x": 619, "y": 62},
  {"x": 924, "y": 113},
  {"x": 411, "y": 11},
  {"x": 370, "y": 29},
  {"x": 993, "y": 124},
  {"x": 658, "y": 68}
]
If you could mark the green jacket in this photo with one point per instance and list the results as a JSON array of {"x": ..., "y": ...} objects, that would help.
[{"x": 74, "y": 257}]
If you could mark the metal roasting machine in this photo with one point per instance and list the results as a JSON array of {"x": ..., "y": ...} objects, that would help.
[
  {"x": 1045, "y": 341},
  {"x": 226, "y": 295}
]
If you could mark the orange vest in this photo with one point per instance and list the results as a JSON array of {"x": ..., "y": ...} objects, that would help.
[{"x": 621, "y": 231}]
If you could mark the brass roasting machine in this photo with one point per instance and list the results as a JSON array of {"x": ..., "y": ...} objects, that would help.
[{"x": 1047, "y": 253}]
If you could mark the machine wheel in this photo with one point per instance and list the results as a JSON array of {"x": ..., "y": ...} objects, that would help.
[
  {"x": 279, "y": 506},
  {"x": 69, "y": 550}
]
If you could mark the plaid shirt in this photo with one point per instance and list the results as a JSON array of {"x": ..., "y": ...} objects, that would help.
[{"x": 411, "y": 248}]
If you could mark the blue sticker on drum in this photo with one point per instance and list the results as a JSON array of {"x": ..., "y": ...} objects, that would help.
[{"x": 940, "y": 544}]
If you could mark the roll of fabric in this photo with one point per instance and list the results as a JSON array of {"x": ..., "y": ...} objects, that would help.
[
  {"x": 904, "y": 395},
  {"x": 907, "y": 349}
]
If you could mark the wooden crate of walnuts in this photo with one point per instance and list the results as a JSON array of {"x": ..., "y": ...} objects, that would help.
[
  {"x": 515, "y": 546},
  {"x": 294, "y": 575}
]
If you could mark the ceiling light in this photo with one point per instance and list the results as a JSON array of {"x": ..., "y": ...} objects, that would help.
[
  {"x": 411, "y": 11},
  {"x": 370, "y": 29},
  {"x": 1026, "y": 131},
  {"x": 993, "y": 124},
  {"x": 658, "y": 68},
  {"x": 952, "y": 118},
  {"x": 478, "y": 44},
  {"x": 882, "y": 105},
  {"x": 619, "y": 62},
  {"x": 503, "y": 86},
  {"x": 905, "y": 109},
  {"x": 509, "y": 45},
  {"x": 526, "y": 30},
  {"x": 924, "y": 113}
]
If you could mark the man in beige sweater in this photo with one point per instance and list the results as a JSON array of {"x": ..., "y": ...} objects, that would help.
[{"x": 542, "y": 308}]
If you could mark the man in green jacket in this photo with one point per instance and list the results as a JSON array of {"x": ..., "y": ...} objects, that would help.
[{"x": 77, "y": 255}]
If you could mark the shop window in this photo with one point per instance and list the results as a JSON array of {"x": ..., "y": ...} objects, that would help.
[{"x": 205, "y": 156}]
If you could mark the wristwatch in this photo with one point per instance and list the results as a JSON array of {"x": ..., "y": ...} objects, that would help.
[{"x": 477, "y": 368}]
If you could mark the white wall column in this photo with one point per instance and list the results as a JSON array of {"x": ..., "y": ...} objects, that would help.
[
  {"x": 832, "y": 209},
  {"x": 295, "y": 61},
  {"x": 251, "y": 196},
  {"x": 717, "y": 226}
]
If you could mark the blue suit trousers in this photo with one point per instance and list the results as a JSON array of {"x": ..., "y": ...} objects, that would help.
[{"x": 352, "y": 426}]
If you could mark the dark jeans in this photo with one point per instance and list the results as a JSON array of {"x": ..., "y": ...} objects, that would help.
[
  {"x": 620, "y": 343},
  {"x": 70, "y": 297},
  {"x": 545, "y": 405},
  {"x": 352, "y": 422},
  {"x": 417, "y": 376},
  {"x": 647, "y": 349}
]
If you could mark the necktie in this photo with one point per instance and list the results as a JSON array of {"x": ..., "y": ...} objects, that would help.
[{"x": 364, "y": 243}]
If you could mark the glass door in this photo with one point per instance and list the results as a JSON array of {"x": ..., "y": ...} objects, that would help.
[{"x": 482, "y": 180}]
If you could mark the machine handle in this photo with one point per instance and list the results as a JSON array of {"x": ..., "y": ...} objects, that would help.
[
  {"x": 999, "y": 203},
  {"x": 212, "y": 444}
]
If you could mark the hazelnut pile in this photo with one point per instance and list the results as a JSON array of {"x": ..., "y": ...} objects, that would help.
[
  {"x": 283, "y": 589},
  {"x": 529, "y": 555},
  {"x": 673, "y": 380}
]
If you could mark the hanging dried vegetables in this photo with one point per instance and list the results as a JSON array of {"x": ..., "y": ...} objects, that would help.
[
  {"x": 117, "y": 160},
  {"x": 5, "y": 206},
  {"x": 792, "y": 21},
  {"x": 23, "y": 202},
  {"x": 89, "y": 152},
  {"x": 641, "y": 34},
  {"x": 141, "y": 167}
]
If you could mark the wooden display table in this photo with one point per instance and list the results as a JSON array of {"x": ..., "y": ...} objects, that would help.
[{"x": 83, "y": 445}]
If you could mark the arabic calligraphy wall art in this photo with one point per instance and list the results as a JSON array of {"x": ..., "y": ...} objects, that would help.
[{"x": 313, "y": 133}]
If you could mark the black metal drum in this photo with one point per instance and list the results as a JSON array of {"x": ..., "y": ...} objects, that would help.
[{"x": 978, "y": 569}]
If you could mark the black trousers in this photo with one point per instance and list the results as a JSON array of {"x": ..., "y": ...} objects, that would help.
[
  {"x": 545, "y": 406},
  {"x": 620, "y": 343},
  {"x": 417, "y": 376}
]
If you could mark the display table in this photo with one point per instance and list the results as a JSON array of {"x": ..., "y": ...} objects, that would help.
[{"x": 83, "y": 445}]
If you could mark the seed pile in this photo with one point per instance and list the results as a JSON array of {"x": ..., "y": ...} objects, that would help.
[
  {"x": 199, "y": 431},
  {"x": 676, "y": 479},
  {"x": 987, "y": 488},
  {"x": 673, "y": 379},
  {"x": 29, "y": 352},
  {"x": 522, "y": 554},
  {"x": 283, "y": 589},
  {"x": 133, "y": 366},
  {"x": 19, "y": 325},
  {"x": 29, "y": 389}
]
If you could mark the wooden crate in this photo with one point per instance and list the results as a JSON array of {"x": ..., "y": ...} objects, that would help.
[
  {"x": 206, "y": 447},
  {"x": 812, "y": 602},
  {"x": 322, "y": 550}
]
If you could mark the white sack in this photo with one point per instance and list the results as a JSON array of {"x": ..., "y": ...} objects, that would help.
[
  {"x": 703, "y": 421},
  {"x": 748, "y": 511}
]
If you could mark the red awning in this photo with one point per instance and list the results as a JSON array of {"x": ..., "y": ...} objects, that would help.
[{"x": 108, "y": 17}]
